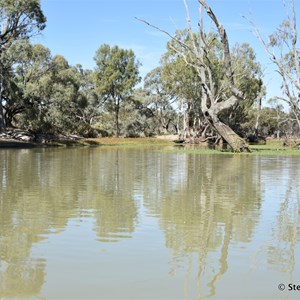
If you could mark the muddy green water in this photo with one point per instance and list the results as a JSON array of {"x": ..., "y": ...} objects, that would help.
[{"x": 125, "y": 223}]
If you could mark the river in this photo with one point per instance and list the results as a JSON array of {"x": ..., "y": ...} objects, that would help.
[{"x": 141, "y": 223}]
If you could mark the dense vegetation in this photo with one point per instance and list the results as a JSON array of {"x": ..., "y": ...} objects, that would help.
[{"x": 43, "y": 93}]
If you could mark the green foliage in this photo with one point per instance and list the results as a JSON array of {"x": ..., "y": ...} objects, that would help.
[
  {"x": 19, "y": 20},
  {"x": 117, "y": 71},
  {"x": 26, "y": 64},
  {"x": 116, "y": 75},
  {"x": 282, "y": 48},
  {"x": 43, "y": 93},
  {"x": 179, "y": 79},
  {"x": 272, "y": 122},
  {"x": 157, "y": 103},
  {"x": 248, "y": 78}
]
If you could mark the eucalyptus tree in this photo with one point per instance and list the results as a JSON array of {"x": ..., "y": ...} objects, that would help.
[
  {"x": 57, "y": 95},
  {"x": 19, "y": 20},
  {"x": 27, "y": 64},
  {"x": 179, "y": 81},
  {"x": 89, "y": 103},
  {"x": 158, "y": 102},
  {"x": 282, "y": 47},
  {"x": 116, "y": 75},
  {"x": 216, "y": 99},
  {"x": 194, "y": 71},
  {"x": 43, "y": 93},
  {"x": 248, "y": 78},
  {"x": 219, "y": 90}
]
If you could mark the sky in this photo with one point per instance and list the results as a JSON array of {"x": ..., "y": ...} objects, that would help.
[{"x": 77, "y": 28}]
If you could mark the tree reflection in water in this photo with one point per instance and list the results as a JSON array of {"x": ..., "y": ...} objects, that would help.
[
  {"x": 205, "y": 205},
  {"x": 214, "y": 200},
  {"x": 41, "y": 190}
]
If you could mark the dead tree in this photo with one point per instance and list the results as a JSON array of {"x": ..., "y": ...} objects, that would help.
[
  {"x": 281, "y": 47},
  {"x": 196, "y": 55},
  {"x": 211, "y": 104}
]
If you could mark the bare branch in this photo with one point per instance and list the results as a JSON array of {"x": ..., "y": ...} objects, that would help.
[
  {"x": 294, "y": 42},
  {"x": 167, "y": 33},
  {"x": 190, "y": 30},
  {"x": 225, "y": 43}
]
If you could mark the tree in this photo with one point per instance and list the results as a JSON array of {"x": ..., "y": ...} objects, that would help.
[
  {"x": 272, "y": 122},
  {"x": 249, "y": 81},
  {"x": 158, "y": 102},
  {"x": 44, "y": 93},
  {"x": 57, "y": 97},
  {"x": 178, "y": 80},
  {"x": 216, "y": 98},
  {"x": 88, "y": 103},
  {"x": 116, "y": 76},
  {"x": 220, "y": 90},
  {"x": 281, "y": 47},
  {"x": 27, "y": 64},
  {"x": 19, "y": 20}
]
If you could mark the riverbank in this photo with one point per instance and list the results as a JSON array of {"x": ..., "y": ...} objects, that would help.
[
  {"x": 19, "y": 139},
  {"x": 272, "y": 147},
  {"x": 16, "y": 138},
  {"x": 24, "y": 141}
]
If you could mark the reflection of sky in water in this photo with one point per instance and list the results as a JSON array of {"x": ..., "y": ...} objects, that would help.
[{"x": 137, "y": 224}]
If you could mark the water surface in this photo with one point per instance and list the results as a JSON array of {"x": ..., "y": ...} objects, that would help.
[{"x": 137, "y": 223}]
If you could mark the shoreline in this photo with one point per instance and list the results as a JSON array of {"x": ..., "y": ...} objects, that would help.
[
  {"x": 272, "y": 147},
  {"x": 12, "y": 143},
  {"x": 81, "y": 142}
]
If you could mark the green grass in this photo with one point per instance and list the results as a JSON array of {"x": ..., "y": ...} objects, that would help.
[
  {"x": 96, "y": 142},
  {"x": 123, "y": 142},
  {"x": 274, "y": 151},
  {"x": 272, "y": 147},
  {"x": 222, "y": 152}
]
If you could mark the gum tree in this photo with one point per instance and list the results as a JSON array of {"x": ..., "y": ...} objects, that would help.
[
  {"x": 27, "y": 65},
  {"x": 159, "y": 102},
  {"x": 282, "y": 47},
  {"x": 179, "y": 81},
  {"x": 217, "y": 95},
  {"x": 116, "y": 75},
  {"x": 19, "y": 20}
]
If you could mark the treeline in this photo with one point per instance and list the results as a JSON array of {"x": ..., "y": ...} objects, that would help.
[{"x": 45, "y": 94}]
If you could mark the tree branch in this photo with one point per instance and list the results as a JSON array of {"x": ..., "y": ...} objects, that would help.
[{"x": 167, "y": 33}]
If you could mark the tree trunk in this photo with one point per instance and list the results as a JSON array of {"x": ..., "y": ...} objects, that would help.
[
  {"x": 117, "y": 125},
  {"x": 234, "y": 141},
  {"x": 186, "y": 122},
  {"x": 237, "y": 143},
  {"x": 257, "y": 121},
  {"x": 2, "y": 123}
]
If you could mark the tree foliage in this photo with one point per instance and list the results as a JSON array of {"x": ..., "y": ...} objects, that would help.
[
  {"x": 116, "y": 75},
  {"x": 202, "y": 89},
  {"x": 19, "y": 19},
  {"x": 282, "y": 47}
]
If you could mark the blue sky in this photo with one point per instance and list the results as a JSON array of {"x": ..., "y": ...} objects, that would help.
[{"x": 77, "y": 28}]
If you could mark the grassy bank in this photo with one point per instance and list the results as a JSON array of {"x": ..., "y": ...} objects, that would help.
[
  {"x": 276, "y": 147},
  {"x": 272, "y": 147},
  {"x": 123, "y": 142},
  {"x": 92, "y": 142}
]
